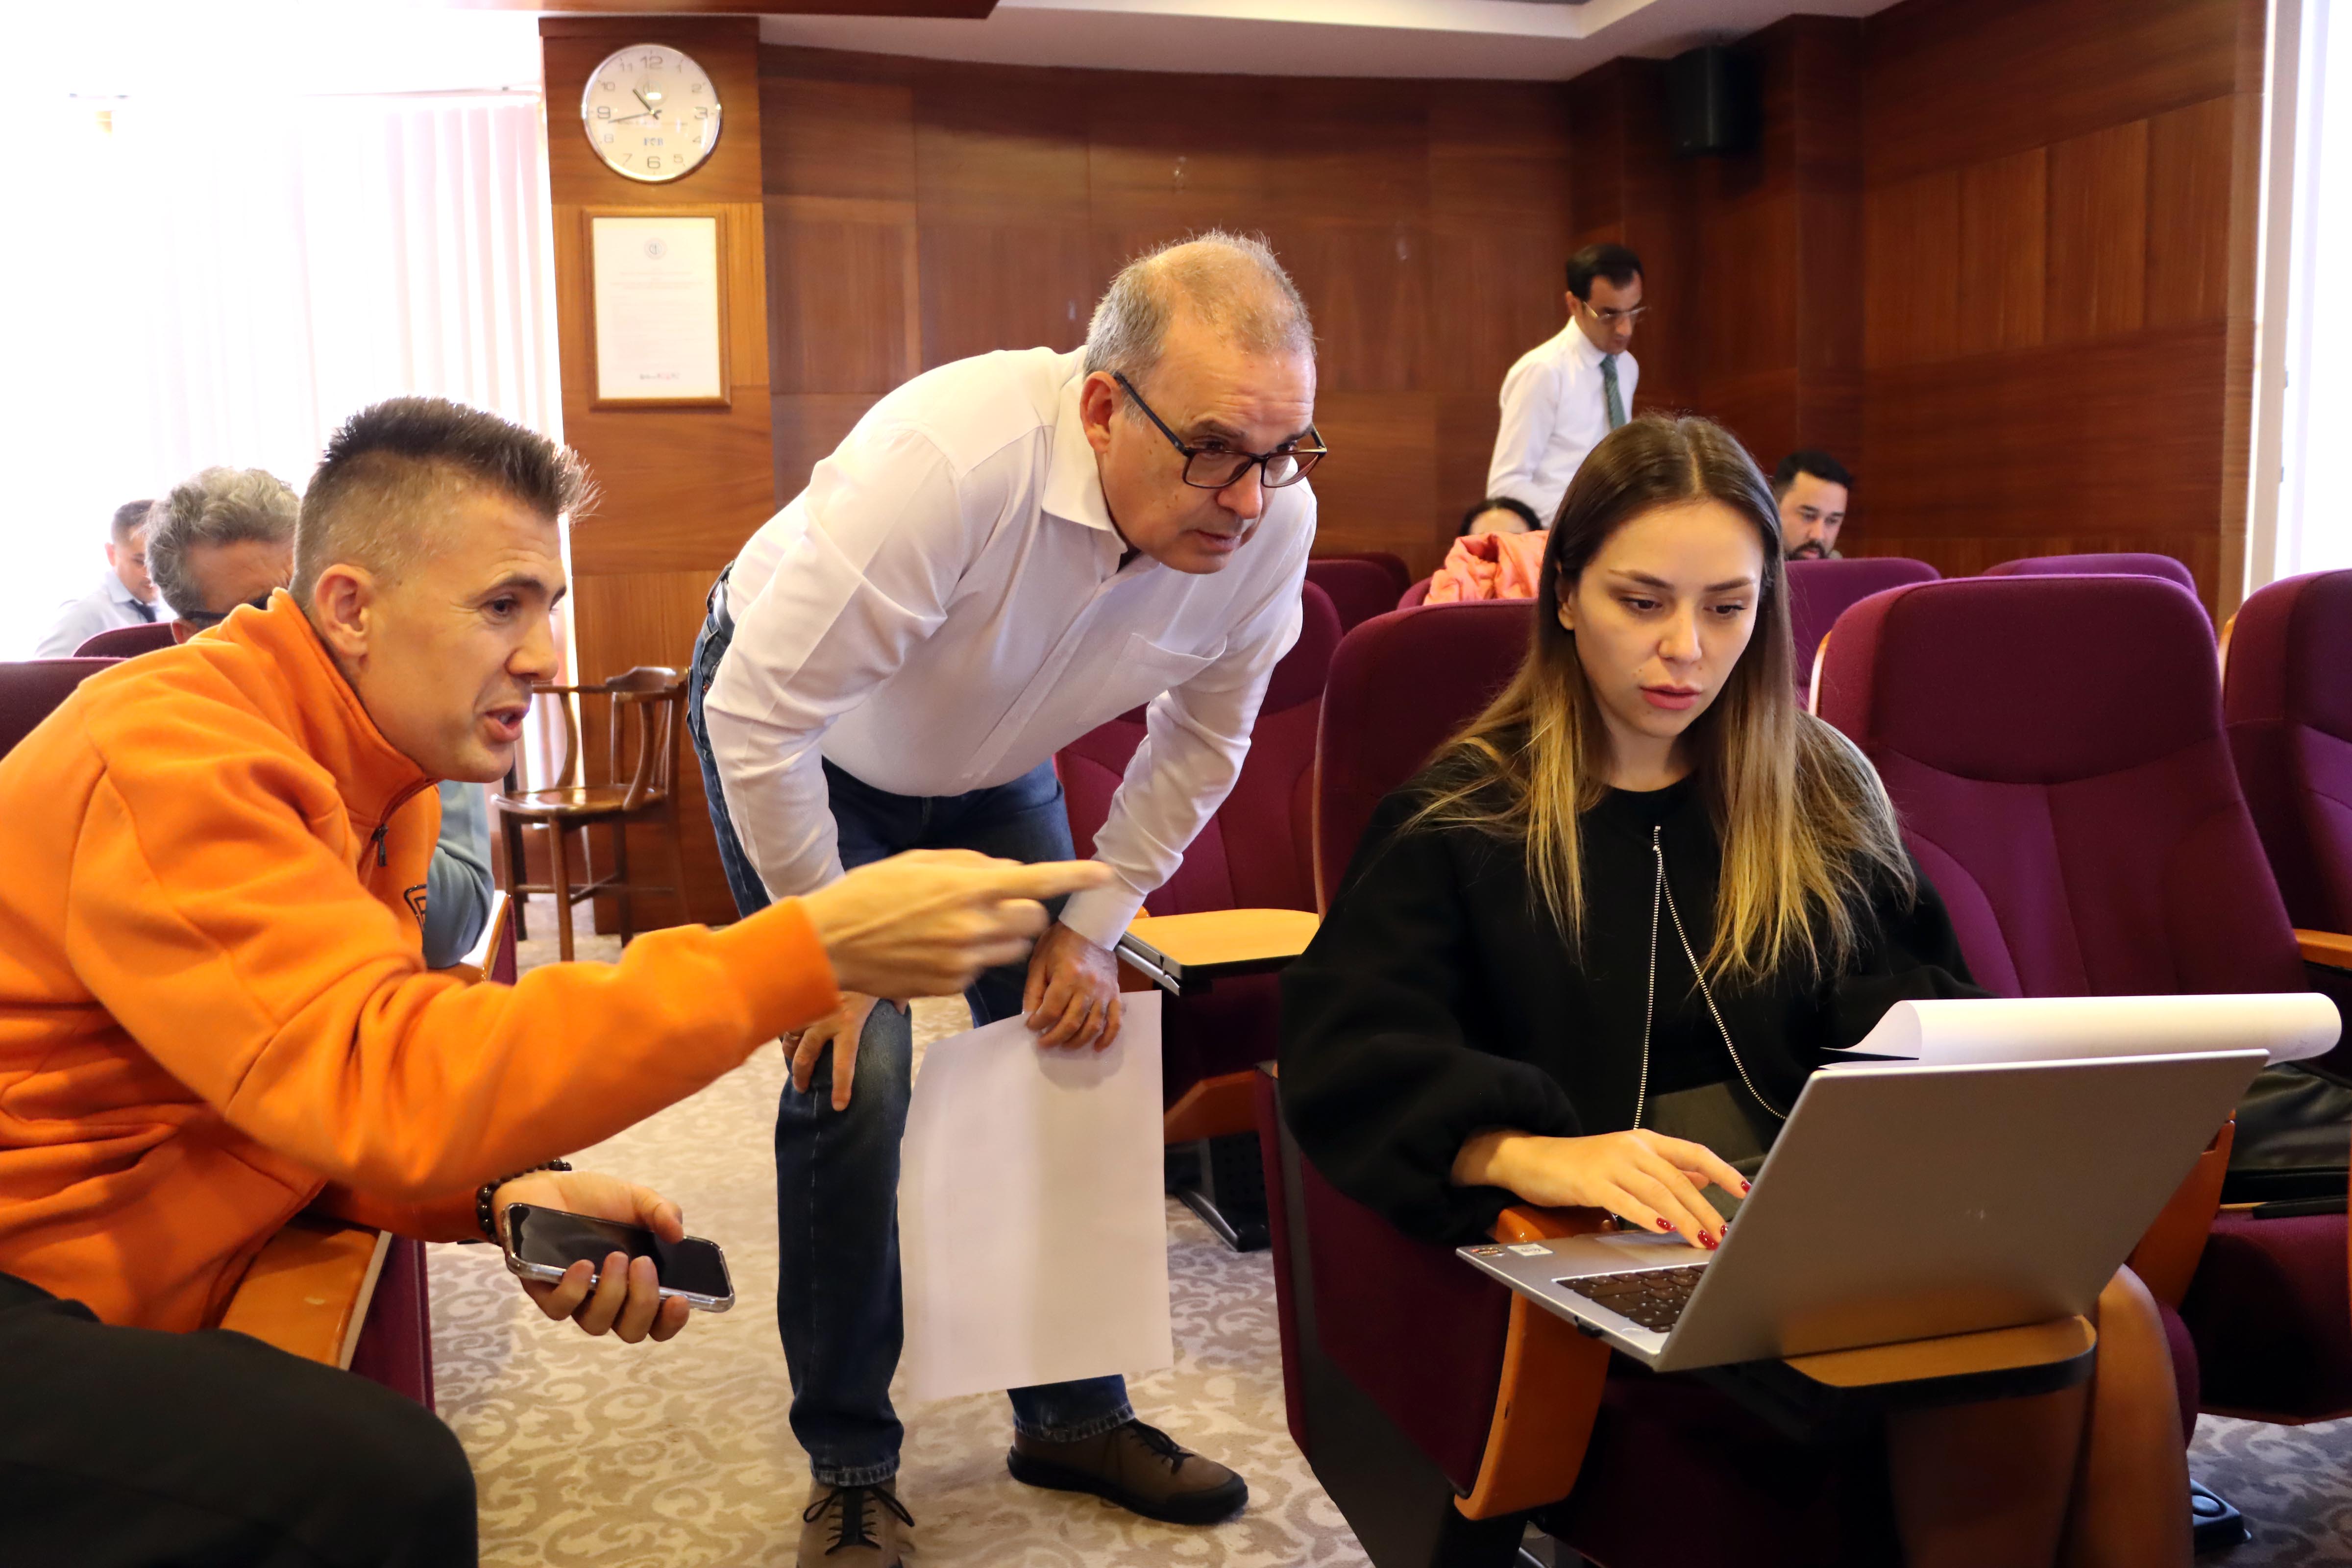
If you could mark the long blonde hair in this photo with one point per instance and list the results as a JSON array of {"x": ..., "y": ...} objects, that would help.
[{"x": 1808, "y": 834}]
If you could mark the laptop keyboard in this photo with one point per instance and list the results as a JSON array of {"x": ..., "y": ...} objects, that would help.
[{"x": 1653, "y": 1298}]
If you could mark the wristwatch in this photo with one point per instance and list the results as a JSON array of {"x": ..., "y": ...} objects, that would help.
[{"x": 484, "y": 1211}]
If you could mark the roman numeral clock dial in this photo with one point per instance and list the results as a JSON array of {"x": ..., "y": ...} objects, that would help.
[{"x": 651, "y": 113}]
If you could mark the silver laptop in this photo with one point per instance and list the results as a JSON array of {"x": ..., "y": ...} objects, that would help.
[{"x": 1903, "y": 1202}]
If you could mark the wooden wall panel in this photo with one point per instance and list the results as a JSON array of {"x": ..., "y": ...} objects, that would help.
[
  {"x": 2190, "y": 165},
  {"x": 1426, "y": 224},
  {"x": 682, "y": 488},
  {"x": 1952, "y": 82},
  {"x": 1384, "y": 495},
  {"x": 1911, "y": 271},
  {"x": 2098, "y": 234},
  {"x": 2081, "y": 377},
  {"x": 2004, "y": 249}
]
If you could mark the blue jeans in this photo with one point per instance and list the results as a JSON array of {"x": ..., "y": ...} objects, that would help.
[{"x": 837, "y": 1303}]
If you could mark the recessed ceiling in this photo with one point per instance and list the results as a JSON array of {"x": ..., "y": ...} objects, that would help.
[{"x": 1500, "y": 39}]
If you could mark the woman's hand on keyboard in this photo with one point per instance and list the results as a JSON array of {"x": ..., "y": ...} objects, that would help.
[{"x": 1643, "y": 1177}]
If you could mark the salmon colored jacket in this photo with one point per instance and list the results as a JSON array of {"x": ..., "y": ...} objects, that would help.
[
  {"x": 1490, "y": 566},
  {"x": 213, "y": 1008}
]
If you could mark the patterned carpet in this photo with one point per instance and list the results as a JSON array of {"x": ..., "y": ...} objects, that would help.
[{"x": 593, "y": 1455}]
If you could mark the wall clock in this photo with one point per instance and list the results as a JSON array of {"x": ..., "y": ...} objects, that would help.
[{"x": 651, "y": 113}]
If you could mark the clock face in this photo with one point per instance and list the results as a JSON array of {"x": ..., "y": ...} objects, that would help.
[{"x": 651, "y": 113}]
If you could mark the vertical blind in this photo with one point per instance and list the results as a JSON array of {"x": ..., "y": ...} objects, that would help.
[
  {"x": 235, "y": 277},
  {"x": 2315, "y": 510}
]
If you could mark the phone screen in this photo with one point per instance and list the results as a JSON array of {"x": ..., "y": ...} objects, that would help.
[{"x": 558, "y": 1239}]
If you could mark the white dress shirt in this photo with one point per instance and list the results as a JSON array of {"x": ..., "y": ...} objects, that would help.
[
  {"x": 103, "y": 608},
  {"x": 1554, "y": 411},
  {"x": 943, "y": 608}
]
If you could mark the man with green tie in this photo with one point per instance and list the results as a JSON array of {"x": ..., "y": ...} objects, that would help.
[{"x": 1567, "y": 392}]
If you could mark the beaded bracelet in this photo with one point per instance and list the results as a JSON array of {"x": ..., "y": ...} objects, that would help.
[{"x": 485, "y": 1209}]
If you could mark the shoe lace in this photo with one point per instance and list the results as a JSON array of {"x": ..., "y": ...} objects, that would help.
[
  {"x": 1161, "y": 1444},
  {"x": 850, "y": 1529}
]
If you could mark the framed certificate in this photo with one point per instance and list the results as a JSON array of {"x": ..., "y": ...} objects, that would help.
[{"x": 659, "y": 308}]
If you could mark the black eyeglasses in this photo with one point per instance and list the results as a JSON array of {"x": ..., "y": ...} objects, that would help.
[
  {"x": 1213, "y": 471},
  {"x": 205, "y": 620}
]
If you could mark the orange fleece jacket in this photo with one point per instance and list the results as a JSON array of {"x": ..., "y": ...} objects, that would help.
[{"x": 213, "y": 999}]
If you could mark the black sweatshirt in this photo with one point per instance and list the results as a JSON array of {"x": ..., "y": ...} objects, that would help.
[{"x": 1439, "y": 1000}]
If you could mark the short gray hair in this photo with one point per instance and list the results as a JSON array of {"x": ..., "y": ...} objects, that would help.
[
  {"x": 1230, "y": 282},
  {"x": 219, "y": 506}
]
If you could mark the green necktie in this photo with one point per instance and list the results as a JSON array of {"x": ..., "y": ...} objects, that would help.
[{"x": 1609, "y": 393}]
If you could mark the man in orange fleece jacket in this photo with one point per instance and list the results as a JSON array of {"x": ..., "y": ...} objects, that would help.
[{"x": 214, "y": 1015}]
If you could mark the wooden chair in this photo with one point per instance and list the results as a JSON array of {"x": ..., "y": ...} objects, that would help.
[{"x": 637, "y": 783}]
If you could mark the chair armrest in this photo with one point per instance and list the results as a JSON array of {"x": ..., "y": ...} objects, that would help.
[
  {"x": 307, "y": 1291},
  {"x": 476, "y": 965},
  {"x": 1550, "y": 1394},
  {"x": 1982, "y": 1358},
  {"x": 2166, "y": 1256},
  {"x": 1184, "y": 953},
  {"x": 2330, "y": 950}
]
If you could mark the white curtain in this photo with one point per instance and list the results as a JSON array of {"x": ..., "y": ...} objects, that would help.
[
  {"x": 2315, "y": 512},
  {"x": 233, "y": 277}
]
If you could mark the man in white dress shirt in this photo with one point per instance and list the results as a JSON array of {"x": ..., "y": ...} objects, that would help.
[
  {"x": 125, "y": 596},
  {"x": 1005, "y": 552},
  {"x": 1567, "y": 392}
]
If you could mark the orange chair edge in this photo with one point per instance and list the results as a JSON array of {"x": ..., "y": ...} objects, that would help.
[{"x": 1551, "y": 1390}]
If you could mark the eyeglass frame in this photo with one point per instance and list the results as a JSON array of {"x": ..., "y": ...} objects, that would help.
[
  {"x": 1308, "y": 457},
  {"x": 205, "y": 620},
  {"x": 1610, "y": 315}
]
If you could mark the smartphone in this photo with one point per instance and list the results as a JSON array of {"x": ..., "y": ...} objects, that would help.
[{"x": 541, "y": 1243}]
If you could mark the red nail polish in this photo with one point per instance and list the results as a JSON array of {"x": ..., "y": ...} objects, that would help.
[
  {"x": 1666, "y": 1224},
  {"x": 1743, "y": 1189},
  {"x": 1707, "y": 1241}
]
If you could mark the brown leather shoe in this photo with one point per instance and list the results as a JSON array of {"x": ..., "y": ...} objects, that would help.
[
  {"x": 855, "y": 1527},
  {"x": 1140, "y": 1467}
]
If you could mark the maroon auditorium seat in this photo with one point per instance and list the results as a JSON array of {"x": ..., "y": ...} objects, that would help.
[
  {"x": 2085, "y": 827},
  {"x": 1254, "y": 854},
  {"x": 1359, "y": 589},
  {"x": 1400, "y": 686},
  {"x": 2286, "y": 692},
  {"x": 2116, "y": 564},
  {"x": 29, "y": 691},
  {"x": 123, "y": 642},
  {"x": 1414, "y": 597},
  {"x": 1391, "y": 563},
  {"x": 1821, "y": 590}
]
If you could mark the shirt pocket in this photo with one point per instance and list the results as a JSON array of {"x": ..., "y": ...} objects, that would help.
[{"x": 1140, "y": 670}]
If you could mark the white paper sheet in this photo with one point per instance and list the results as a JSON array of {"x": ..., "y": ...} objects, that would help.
[
  {"x": 1033, "y": 1234},
  {"x": 2290, "y": 1025}
]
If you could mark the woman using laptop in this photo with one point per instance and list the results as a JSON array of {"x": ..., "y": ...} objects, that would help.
[{"x": 1590, "y": 956}]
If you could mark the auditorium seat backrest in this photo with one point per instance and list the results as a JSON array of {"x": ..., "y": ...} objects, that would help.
[
  {"x": 30, "y": 690},
  {"x": 1414, "y": 597},
  {"x": 1254, "y": 853},
  {"x": 1359, "y": 589},
  {"x": 2116, "y": 564},
  {"x": 2054, "y": 747},
  {"x": 1402, "y": 685},
  {"x": 2287, "y": 696},
  {"x": 1821, "y": 590},
  {"x": 124, "y": 642}
]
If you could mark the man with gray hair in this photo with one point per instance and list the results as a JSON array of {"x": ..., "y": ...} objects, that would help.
[
  {"x": 125, "y": 596},
  {"x": 221, "y": 539},
  {"x": 1004, "y": 554}
]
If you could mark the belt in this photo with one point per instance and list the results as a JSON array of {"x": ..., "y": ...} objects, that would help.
[{"x": 714, "y": 603}]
